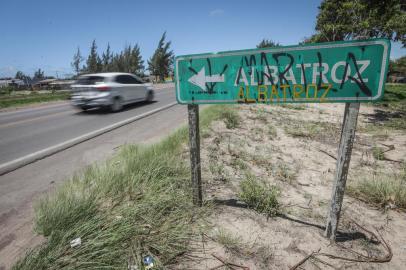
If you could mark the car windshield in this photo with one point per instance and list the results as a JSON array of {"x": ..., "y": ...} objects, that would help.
[{"x": 90, "y": 80}]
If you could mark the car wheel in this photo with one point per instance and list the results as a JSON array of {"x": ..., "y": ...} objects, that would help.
[
  {"x": 150, "y": 96},
  {"x": 117, "y": 105}
]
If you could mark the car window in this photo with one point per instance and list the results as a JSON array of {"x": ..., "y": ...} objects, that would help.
[
  {"x": 90, "y": 80},
  {"x": 139, "y": 80},
  {"x": 127, "y": 79}
]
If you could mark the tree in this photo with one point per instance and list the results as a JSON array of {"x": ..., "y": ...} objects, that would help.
[
  {"x": 39, "y": 75},
  {"x": 126, "y": 59},
  {"x": 21, "y": 76},
  {"x": 136, "y": 63},
  {"x": 93, "y": 59},
  {"x": 267, "y": 43},
  {"x": 107, "y": 58},
  {"x": 99, "y": 64},
  {"x": 129, "y": 60},
  {"x": 359, "y": 19},
  {"x": 398, "y": 66},
  {"x": 160, "y": 64},
  {"x": 77, "y": 60}
]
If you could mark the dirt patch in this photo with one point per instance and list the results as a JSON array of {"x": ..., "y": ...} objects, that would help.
[{"x": 294, "y": 148}]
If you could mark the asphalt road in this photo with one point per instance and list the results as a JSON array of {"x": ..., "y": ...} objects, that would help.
[{"x": 27, "y": 131}]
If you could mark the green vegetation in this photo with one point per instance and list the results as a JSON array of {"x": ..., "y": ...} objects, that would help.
[
  {"x": 391, "y": 111},
  {"x": 262, "y": 115},
  {"x": 228, "y": 240},
  {"x": 6, "y": 91},
  {"x": 272, "y": 133},
  {"x": 39, "y": 74},
  {"x": 378, "y": 153},
  {"x": 238, "y": 163},
  {"x": 268, "y": 43},
  {"x": 230, "y": 117},
  {"x": 218, "y": 171},
  {"x": 298, "y": 107},
  {"x": 310, "y": 129},
  {"x": 257, "y": 134},
  {"x": 394, "y": 97},
  {"x": 258, "y": 196},
  {"x": 138, "y": 203},
  {"x": 260, "y": 159},
  {"x": 349, "y": 19},
  {"x": 19, "y": 100},
  {"x": 160, "y": 63},
  {"x": 128, "y": 60},
  {"x": 381, "y": 188},
  {"x": 284, "y": 173},
  {"x": 398, "y": 66}
]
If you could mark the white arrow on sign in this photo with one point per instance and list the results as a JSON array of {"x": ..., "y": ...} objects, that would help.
[{"x": 200, "y": 79}]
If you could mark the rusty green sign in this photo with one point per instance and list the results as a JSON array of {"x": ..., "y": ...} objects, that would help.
[{"x": 348, "y": 71}]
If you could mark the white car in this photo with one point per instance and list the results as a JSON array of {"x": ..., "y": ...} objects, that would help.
[{"x": 112, "y": 90}]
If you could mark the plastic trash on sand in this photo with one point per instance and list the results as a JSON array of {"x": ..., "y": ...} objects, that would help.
[
  {"x": 148, "y": 262},
  {"x": 75, "y": 242}
]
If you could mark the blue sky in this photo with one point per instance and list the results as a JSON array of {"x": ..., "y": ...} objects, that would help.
[{"x": 45, "y": 34}]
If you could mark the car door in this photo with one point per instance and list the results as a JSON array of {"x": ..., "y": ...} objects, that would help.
[
  {"x": 138, "y": 88},
  {"x": 123, "y": 88}
]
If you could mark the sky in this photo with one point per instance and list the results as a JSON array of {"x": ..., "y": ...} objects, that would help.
[{"x": 46, "y": 33}]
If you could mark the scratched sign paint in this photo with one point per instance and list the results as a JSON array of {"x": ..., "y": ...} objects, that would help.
[{"x": 352, "y": 71}]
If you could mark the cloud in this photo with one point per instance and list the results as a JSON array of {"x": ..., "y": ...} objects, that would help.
[{"x": 216, "y": 12}]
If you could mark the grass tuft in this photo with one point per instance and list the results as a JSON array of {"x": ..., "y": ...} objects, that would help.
[
  {"x": 325, "y": 132},
  {"x": 298, "y": 107},
  {"x": 272, "y": 133},
  {"x": 284, "y": 173},
  {"x": 258, "y": 196},
  {"x": 230, "y": 117},
  {"x": 228, "y": 240},
  {"x": 382, "y": 188},
  {"x": 378, "y": 153}
]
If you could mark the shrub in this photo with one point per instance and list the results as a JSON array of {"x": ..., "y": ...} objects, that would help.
[{"x": 259, "y": 197}]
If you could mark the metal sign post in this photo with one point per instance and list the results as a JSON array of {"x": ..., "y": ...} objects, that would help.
[{"x": 347, "y": 72}]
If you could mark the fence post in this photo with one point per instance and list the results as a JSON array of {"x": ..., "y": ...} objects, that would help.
[
  {"x": 343, "y": 163},
  {"x": 194, "y": 143}
]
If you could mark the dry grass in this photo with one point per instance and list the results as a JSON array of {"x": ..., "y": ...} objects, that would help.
[
  {"x": 230, "y": 242},
  {"x": 258, "y": 196},
  {"x": 381, "y": 188}
]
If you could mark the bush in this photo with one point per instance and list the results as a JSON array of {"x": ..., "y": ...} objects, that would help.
[
  {"x": 230, "y": 117},
  {"x": 384, "y": 189},
  {"x": 259, "y": 197}
]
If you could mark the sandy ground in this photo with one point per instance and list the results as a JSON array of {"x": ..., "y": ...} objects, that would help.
[{"x": 293, "y": 147}]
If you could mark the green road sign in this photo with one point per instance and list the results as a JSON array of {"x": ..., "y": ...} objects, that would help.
[{"x": 351, "y": 71}]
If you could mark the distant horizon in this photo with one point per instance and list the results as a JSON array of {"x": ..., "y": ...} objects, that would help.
[{"x": 47, "y": 34}]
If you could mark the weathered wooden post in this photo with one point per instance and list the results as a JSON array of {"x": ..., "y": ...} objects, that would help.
[
  {"x": 343, "y": 163},
  {"x": 194, "y": 143}
]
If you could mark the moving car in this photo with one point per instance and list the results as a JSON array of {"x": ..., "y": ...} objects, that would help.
[{"x": 112, "y": 90}]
